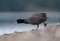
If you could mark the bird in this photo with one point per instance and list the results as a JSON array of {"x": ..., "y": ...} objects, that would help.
[{"x": 35, "y": 19}]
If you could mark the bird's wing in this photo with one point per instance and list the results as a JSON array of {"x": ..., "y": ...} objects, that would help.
[{"x": 35, "y": 18}]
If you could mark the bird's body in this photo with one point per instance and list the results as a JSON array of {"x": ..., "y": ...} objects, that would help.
[{"x": 35, "y": 19}]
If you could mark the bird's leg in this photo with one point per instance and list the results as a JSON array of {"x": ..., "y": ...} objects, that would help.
[
  {"x": 45, "y": 24},
  {"x": 37, "y": 26}
]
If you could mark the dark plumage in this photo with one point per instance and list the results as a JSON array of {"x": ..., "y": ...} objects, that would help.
[
  {"x": 35, "y": 19},
  {"x": 20, "y": 21}
]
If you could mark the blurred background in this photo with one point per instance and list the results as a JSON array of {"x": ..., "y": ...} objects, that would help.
[
  {"x": 11, "y": 10},
  {"x": 29, "y": 5}
]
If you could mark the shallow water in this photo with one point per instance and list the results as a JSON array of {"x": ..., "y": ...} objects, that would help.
[{"x": 8, "y": 21}]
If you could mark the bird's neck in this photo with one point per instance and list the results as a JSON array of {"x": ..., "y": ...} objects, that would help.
[{"x": 26, "y": 21}]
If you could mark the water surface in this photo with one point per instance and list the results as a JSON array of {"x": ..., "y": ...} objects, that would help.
[{"x": 8, "y": 21}]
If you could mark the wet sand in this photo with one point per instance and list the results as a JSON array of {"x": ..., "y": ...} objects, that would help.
[{"x": 50, "y": 33}]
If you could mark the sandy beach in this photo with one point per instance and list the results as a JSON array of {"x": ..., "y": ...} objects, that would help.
[{"x": 50, "y": 33}]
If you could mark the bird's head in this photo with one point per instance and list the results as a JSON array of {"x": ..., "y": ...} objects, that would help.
[{"x": 20, "y": 21}]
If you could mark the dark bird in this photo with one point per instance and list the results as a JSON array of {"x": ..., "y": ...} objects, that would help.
[{"x": 35, "y": 19}]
